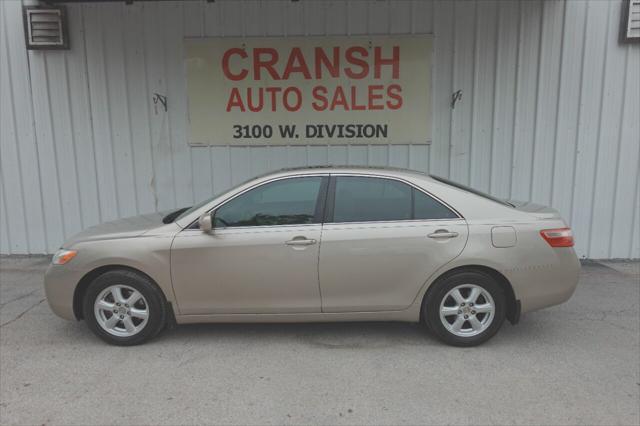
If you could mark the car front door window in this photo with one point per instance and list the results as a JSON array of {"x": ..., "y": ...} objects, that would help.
[{"x": 283, "y": 202}]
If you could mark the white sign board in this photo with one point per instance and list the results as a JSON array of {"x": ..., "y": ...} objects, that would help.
[{"x": 309, "y": 90}]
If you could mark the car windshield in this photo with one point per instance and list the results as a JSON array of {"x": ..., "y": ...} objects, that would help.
[
  {"x": 188, "y": 210},
  {"x": 471, "y": 190}
]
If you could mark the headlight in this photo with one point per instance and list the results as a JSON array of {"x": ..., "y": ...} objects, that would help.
[{"x": 63, "y": 256}]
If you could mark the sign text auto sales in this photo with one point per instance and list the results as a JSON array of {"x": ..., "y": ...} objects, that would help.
[
  {"x": 351, "y": 63},
  {"x": 309, "y": 90}
]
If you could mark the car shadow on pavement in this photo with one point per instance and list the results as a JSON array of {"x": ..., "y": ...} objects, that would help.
[{"x": 334, "y": 335}]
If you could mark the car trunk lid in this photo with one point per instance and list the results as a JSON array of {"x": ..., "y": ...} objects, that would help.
[{"x": 538, "y": 210}]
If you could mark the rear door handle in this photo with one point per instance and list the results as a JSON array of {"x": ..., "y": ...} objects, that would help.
[
  {"x": 442, "y": 234},
  {"x": 300, "y": 241}
]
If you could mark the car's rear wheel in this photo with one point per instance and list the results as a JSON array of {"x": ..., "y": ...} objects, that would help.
[
  {"x": 465, "y": 308},
  {"x": 124, "y": 308}
]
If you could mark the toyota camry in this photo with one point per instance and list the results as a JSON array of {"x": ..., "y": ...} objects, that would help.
[{"x": 320, "y": 244}]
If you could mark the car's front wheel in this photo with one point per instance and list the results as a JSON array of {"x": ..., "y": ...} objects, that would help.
[
  {"x": 124, "y": 308},
  {"x": 465, "y": 308}
]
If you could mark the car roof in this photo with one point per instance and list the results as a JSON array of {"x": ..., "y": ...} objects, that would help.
[{"x": 373, "y": 170}]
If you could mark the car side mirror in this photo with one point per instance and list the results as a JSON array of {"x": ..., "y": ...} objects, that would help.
[{"x": 206, "y": 222}]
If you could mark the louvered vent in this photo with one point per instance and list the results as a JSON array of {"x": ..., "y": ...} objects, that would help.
[
  {"x": 45, "y": 27},
  {"x": 630, "y": 28}
]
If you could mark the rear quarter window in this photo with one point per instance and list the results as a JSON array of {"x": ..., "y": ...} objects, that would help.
[{"x": 426, "y": 207}]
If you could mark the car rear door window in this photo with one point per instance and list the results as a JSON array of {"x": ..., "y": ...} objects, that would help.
[
  {"x": 371, "y": 199},
  {"x": 284, "y": 202},
  {"x": 368, "y": 199}
]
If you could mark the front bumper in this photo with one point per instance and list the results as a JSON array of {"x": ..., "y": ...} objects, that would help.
[{"x": 60, "y": 283}]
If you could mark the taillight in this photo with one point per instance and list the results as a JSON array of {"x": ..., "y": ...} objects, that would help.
[{"x": 561, "y": 237}]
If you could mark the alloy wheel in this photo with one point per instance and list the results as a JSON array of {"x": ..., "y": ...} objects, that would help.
[
  {"x": 121, "y": 310},
  {"x": 467, "y": 310}
]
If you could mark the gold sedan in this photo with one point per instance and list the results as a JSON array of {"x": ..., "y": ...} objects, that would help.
[{"x": 320, "y": 244}]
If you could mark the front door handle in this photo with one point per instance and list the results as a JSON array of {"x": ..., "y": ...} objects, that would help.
[
  {"x": 300, "y": 241},
  {"x": 442, "y": 234}
]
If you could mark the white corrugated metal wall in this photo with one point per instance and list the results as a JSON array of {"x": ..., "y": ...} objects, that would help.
[{"x": 550, "y": 111}]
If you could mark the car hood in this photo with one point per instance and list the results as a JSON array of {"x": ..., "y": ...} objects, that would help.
[{"x": 122, "y": 228}]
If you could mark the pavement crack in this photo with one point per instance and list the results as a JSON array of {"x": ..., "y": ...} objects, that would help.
[
  {"x": 19, "y": 297},
  {"x": 22, "y": 313}
]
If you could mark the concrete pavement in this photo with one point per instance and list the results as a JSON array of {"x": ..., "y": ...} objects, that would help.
[{"x": 578, "y": 363}]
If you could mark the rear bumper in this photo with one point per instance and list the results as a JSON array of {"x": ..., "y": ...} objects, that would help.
[
  {"x": 59, "y": 286},
  {"x": 547, "y": 285}
]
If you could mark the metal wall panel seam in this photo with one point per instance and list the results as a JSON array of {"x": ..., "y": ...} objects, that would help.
[
  {"x": 474, "y": 85},
  {"x": 168, "y": 116},
  {"x": 577, "y": 136},
  {"x": 153, "y": 183},
  {"x": 594, "y": 179},
  {"x": 515, "y": 100},
  {"x": 558, "y": 97},
  {"x": 30, "y": 114},
  {"x": 18, "y": 163},
  {"x": 623, "y": 99},
  {"x": 128, "y": 117},
  {"x": 55, "y": 144},
  {"x": 495, "y": 95},
  {"x": 73, "y": 142},
  {"x": 90, "y": 110},
  {"x": 109, "y": 118},
  {"x": 536, "y": 102}
]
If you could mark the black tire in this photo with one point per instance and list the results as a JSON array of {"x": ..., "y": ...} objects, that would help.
[
  {"x": 440, "y": 289},
  {"x": 153, "y": 295}
]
